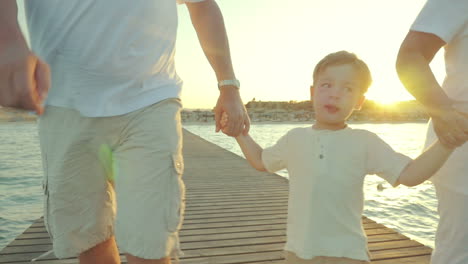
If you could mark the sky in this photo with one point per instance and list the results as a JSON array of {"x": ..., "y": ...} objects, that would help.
[{"x": 275, "y": 46}]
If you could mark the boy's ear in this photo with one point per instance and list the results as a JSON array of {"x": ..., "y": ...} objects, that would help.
[{"x": 360, "y": 102}]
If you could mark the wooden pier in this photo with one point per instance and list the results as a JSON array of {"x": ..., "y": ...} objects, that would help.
[{"x": 234, "y": 215}]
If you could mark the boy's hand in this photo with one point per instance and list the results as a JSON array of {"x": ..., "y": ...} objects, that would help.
[
  {"x": 451, "y": 125},
  {"x": 224, "y": 122},
  {"x": 461, "y": 107},
  {"x": 229, "y": 101}
]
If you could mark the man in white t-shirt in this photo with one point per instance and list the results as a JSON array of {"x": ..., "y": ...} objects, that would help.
[
  {"x": 443, "y": 23},
  {"x": 110, "y": 127}
]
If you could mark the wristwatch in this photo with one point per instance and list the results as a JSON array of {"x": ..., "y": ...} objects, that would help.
[{"x": 233, "y": 82}]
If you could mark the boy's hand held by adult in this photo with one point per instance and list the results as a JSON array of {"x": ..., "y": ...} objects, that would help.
[
  {"x": 24, "y": 77},
  {"x": 425, "y": 165},
  {"x": 451, "y": 126},
  {"x": 230, "y": 102}
]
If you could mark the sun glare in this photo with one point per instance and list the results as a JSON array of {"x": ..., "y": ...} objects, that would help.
[
  {"x": 387, "y": 96},
  {"x": 386, "y": 101}
]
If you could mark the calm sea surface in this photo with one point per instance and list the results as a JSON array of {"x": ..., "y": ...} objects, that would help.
[
  {"x": 20, "y": 179},
  {"x": 412, "y": 211}
]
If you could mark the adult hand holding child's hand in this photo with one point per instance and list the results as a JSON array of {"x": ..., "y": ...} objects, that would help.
[
  {"x": 461, "y": 107},
  {"x": 229, "y": 102},
  {"x": 451, "y": 125},
  {"x": 223, "y": 122}
]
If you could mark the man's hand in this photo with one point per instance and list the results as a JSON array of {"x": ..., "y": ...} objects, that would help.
[
  {"x": 229, "y": 101},
  {"x": 24, "y": 78},
  {"x": 451, "y": 126},
  {"x": 208, "y": 22}
]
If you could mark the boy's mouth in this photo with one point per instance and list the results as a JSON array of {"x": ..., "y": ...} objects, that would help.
[{"x": 331, "y": 108}]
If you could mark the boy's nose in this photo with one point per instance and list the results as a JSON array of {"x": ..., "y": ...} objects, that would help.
[{"x": 336, "y": 92}]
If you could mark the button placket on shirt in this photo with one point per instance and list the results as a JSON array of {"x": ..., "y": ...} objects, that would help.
[
  {"x": 321, "y": 155},
  {"x": 320, "y": 147}
]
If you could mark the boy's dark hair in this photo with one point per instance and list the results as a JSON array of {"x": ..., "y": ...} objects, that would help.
[{"x": 344, "y": 57}]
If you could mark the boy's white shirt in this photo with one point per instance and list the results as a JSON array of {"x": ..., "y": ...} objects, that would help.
[
  {"x": 326, "y": 174},
  {"x": 107, "y": 57},
  {"x": 448, "y": 19}
]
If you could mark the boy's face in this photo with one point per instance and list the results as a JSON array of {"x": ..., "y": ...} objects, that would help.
[{"x": 336, "y": 93}]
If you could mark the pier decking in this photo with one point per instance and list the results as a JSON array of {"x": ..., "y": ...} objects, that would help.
[{"x": 234, "y": 214}]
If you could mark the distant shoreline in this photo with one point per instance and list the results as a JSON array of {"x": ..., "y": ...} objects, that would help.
[
  {"x": 8, "y": 114},
  {"x": 310, "y": 122},
  {"x": 281, "y": 112},
  {"x": 16, "y": 119},
  {"x": 252, "y": 122}
]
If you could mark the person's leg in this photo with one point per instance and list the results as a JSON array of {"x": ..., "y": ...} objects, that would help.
[
  {"x": 451, "y": 184},
  {"x": 105, "y": 253},
  {"x": 148, "y": 184},
  {"x": 79, "y": 199},
  {"x": 291, "y": 258},
  {"x": 451, "y": 240}
]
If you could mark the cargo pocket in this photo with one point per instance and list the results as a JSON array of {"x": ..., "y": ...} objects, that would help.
[{"x": 175, "y": 195}]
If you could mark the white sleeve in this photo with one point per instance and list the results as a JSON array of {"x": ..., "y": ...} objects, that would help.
[
  {"x": 188, "y": 1},
  {"x": 443, "y": 18},
  {"x": 383, "y": 160},
  {"x": 274, "y": 158}
]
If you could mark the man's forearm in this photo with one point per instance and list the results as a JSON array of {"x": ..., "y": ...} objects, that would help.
[
  {"x": 416, "y": 75},
  {"x": 424, "y": 166},
  {"x": 9, "y": 27},
  {"x": 209, "y": 24}
]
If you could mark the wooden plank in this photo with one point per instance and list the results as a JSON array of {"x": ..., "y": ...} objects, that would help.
[
  {"x": 393, "y": 241},
  {"x": 405, "y": 260},
  {"x": 281, "y": 222}
]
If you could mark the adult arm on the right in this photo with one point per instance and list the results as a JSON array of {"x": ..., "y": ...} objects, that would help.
[
  {"x": 24, "y": 78},
  {"x": 416, "y": 52}
]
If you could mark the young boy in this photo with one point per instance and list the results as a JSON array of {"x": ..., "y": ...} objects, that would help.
[{"x": 327, "y": 164}]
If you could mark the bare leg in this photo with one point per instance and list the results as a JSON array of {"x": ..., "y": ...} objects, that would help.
[
  {"x": 135, "y": 260},
  {"x": 104, "y": 253}
]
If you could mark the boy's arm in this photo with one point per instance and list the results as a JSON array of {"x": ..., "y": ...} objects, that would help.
[
  {"x": 424, "y": 166},
  {"x": 24, "y": 78},
  {"x": 252, "y": 151},
  {"x": 209, "y": 24}
]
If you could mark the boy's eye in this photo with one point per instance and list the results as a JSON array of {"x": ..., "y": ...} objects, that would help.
[
  {"x": 349, "y": 89},
  {"x": 325, "y": 85}
]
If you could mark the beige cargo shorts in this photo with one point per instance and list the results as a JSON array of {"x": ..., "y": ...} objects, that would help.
[{"x": 119, "y": 175}]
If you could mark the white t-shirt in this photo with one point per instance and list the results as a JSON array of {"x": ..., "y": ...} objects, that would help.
[
  {"x": 107, "y": 57},
  {"x": 448, "y": 19},
  {"x": 326, "y": 175}
]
